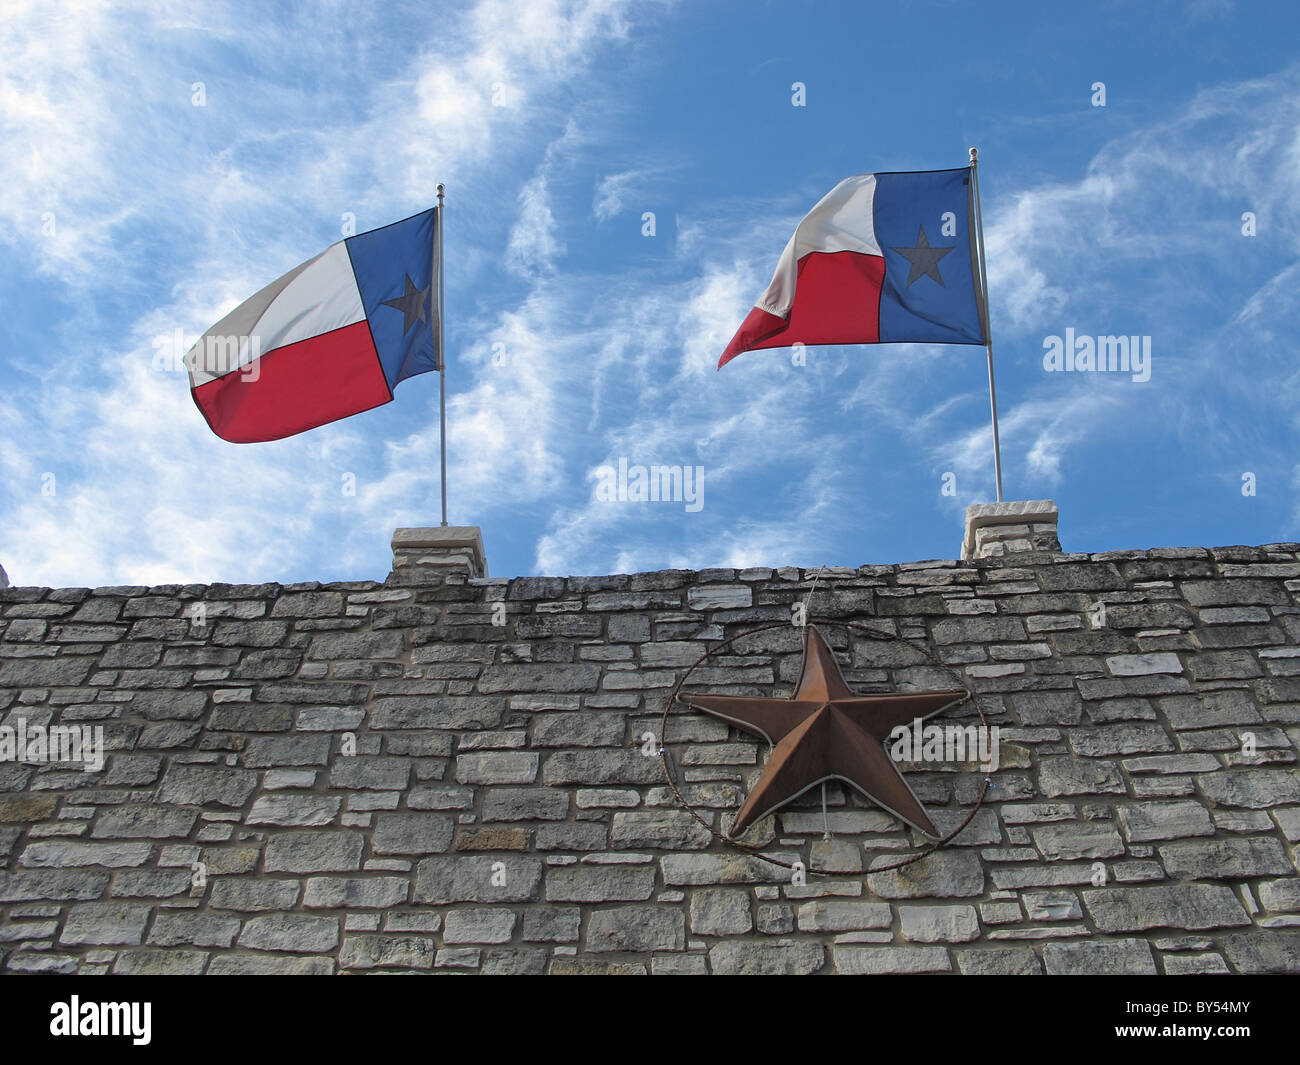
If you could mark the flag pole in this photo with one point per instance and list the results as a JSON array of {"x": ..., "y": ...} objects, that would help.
[
  {"x": 988, "y": 333},
  {"x": 442, "y": 358}
]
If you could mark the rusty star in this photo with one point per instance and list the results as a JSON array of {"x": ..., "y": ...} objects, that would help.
[{"x": 825, "y": 732}]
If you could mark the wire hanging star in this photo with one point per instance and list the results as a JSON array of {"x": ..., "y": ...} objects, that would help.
[{"x": 825, "y": 732}]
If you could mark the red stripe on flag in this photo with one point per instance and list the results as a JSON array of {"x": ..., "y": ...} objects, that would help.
[
  {"x": 836, "y": 301},
  {"x": 296, "y": 388}
]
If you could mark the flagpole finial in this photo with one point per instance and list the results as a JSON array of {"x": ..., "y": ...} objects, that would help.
[
  {"x": 441, "y": 189},
  {"x": 974, "y": 158}
]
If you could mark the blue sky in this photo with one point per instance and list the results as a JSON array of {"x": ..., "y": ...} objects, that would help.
[{"x": 130, "y": 213}]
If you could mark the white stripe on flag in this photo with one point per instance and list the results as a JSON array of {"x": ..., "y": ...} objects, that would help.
[
  {"x": 317, "y": 297},
  {"x": 843, "y": 220}
]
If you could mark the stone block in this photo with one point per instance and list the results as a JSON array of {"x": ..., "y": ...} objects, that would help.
[{"x": 636, "y": 929}]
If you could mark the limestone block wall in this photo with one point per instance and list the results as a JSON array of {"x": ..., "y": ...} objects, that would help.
[{"x": 447, "y": 775}]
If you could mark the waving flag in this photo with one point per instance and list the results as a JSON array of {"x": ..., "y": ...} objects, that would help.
[
  {"x": 331, "y": 338},
  {"x": 881, "y": 259}
]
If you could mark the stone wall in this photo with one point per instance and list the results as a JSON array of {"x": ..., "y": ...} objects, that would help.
[{"x": 442, "y": 773}]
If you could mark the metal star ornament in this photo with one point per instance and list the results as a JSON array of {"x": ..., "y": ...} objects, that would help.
[
  {"x": 825, "y": 732},
  {"x": 924, "y": 259}
]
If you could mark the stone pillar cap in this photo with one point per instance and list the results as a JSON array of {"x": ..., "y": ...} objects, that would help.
[
  {"x": 1008, "y": 512},
  {"x": 447, "y": 545}
]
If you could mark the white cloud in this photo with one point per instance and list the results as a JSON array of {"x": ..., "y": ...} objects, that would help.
[
  {"x": 533, "y": 246},
  {"x": 625, "y": 189}
]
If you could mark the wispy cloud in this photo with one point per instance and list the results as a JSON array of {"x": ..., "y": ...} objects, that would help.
[
  {"x": 1169, "y": 199},
  {"x": 626, "y": 189}
]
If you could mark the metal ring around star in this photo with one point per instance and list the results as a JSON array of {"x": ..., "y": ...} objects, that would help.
[{"x": 757, "y": 850}]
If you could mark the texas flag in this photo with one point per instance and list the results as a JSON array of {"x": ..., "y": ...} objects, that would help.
[
  {"x": 881, "y": 259},
  {"x": 329, "y": 339}
]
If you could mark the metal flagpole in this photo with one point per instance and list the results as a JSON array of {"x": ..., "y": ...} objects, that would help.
[
  {"x": 988, "y": 333},
  {"x": 442, "y": 357}
]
